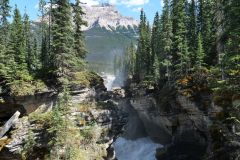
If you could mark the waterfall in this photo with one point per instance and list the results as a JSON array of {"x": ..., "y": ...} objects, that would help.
[
  {"x": 134, "y": 144},
  {"x": 139, "y": 149},
  {"x": 108, "y": 81}
]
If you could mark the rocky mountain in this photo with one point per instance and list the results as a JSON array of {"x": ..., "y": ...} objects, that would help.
[
  {"x": 106, "y": 16},
  {"x": 108, "y": 34}
]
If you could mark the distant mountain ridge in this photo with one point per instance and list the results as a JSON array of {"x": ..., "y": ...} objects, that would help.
[
  {"x": 107, "y": 35},
  {"x": 106, "y": 16}
]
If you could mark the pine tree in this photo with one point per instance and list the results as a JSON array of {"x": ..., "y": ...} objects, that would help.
[
  {"x": 232, "y": 47},
  {"x": 208, "y": 32},
  {"x": 27, "y": 41},
  {"x": 141, "y": 56},
  {"x": 62, "y": 39},
  {"x": 45, "y": 37},
  {"x": 156, "y": 69},
  {"x": 16, "y": 44},
  {"x": 4, "y": 25},
  {"x": 130, "y": 60},
  {"x": 155, "y": 39},
  {"x": 192, "y": 31},
  {"x": 148, "y": 52},
  {"x": 166, "y": 41},
  {"x": 79, "y": 46},
  {"x": 200, "y": 53},
  {"x": 179, "y": 32}
]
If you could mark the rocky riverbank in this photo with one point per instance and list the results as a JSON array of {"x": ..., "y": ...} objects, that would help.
[
  {"x": 94, "y": 113},
  {"x": 190, "y": 128}
]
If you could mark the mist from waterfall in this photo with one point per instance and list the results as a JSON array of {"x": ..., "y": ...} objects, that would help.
[
  {"x": 133, "y": 144},
  {"x": 139, "y": 149}
]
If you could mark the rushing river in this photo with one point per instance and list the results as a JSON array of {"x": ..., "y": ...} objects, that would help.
[
  {"x": 134, "y": 143},
  {"x": 139, "y": 149}
]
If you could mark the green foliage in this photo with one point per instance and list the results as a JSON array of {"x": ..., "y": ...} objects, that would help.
[
  {"x": 179, "y": 31},
  {"x": 62, "y": 39},
  {"x": 42, "y": 119},
  {"x": 29, "y": 145},
  {"x": 79, "y": 46},
  {"x": 26, "y": 87},
  {"x": 200, "y": 53},
  {"x": 143, "y": 55},
  {"x": 86, "y": 79}
]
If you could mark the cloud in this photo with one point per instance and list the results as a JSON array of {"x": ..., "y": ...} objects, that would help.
[
  {"x": 129, "y": 3},
  {"x": 90, "y": 2},
  {"x": 138, "y": 9},
  {"x": 162, "y": 3}
]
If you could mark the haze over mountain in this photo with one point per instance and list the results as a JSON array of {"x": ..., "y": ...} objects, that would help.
[{"x": 108, "y": 34}]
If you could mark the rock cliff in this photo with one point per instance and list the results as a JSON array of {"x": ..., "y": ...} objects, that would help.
[{"x": 188, "y": 129}]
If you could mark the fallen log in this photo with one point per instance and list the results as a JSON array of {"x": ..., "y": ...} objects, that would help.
[{"x": 9, "y": 124}]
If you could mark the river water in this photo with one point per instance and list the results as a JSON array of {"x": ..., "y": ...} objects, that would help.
[{"x": 134, "y": 144}]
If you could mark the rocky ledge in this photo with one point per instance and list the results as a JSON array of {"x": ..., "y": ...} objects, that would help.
[
  {"x": 189, "y": 129},
  {"x": 90, "y": 109}
]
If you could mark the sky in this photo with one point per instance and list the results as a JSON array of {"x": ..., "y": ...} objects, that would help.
[{"x": 129, "y": 8}]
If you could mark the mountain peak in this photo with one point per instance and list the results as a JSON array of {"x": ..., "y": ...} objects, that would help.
[{"x": 106, "y": 16}]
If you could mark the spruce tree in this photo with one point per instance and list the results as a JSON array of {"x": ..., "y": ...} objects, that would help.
[
  {"x": 62, "y": 39},
  {"x": 4, "y": 25},
  {"x": 27, "y": 41},
  {"x": 155, "y": 39},
  {"x": 232, "y": 47},
  {"x": 166, "y": 41},
  {"x": 200, "y": 53},
  {"x": 179, "y": 32},
  {"x": 208, "y": 32},
  {"x": 16, "y": 45},
  {"x": 148, "y": 63},
  {"x": 192, "y": 30},
  {"x": 79, "y": 45},
  {"x": 156, "y": 70},
  {"x": 45, "y": 37},
  {"x": 141, "y": 56}
]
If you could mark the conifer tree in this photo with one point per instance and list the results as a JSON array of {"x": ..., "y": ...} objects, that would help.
[
  {"x": 45, "y": 36},
  {"x": 79, "y": 46},
  {"x": 192, "y": 30},
  {"x": 141, "y": 56},
  {"x": 166, "y": 40},
  {"x": 232, "y": 47},
  {"x": 4, "y": 25},
  {"x": 148, "y": 52},
  {"x": 155, "y": 38},
  {"x": 200, "y": 53},
  {"x": 62, "y": 38},
  {"x": 179, "y": 32},
  {"x": 156, "y": 69},
  {"x": 27, "y": 41},
  {"x": 208, "y": 32},
  {"x": 17, "y": 42}
]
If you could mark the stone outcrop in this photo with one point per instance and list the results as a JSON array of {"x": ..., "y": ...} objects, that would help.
[
  {"x": 182, "y": 126},
  {"x": 108, "y": 122},
  {"x": 108, "y": 17},
  {"x": 27, "y": 104}
]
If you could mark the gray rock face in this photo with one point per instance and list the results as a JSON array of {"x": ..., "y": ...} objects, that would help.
[
  {"x": 109, "y": 119},
  {"x": 183, "y": 126},
  {"x": 42, "y": 102},
  {"x": 106, "y": 16},
  {"x": 155, "y": 126}
]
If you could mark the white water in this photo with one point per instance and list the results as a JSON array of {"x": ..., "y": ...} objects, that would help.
[
  {"x": 108, "y": 81},
  {"x": 139, "y": 149}
]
